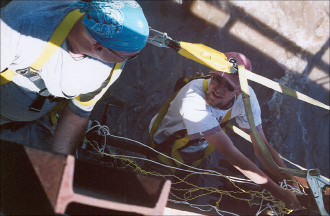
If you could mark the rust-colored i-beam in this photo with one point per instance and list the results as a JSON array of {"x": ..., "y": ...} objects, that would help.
[{"x": 70, "y": 182}]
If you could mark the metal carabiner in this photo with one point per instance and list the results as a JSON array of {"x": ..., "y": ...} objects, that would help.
[
  {"x": 27, "y": 70},
  {"x": 234, "y": 68},
  {"x": 316, "y": 183},
  {"x": 158, "y": 38}
]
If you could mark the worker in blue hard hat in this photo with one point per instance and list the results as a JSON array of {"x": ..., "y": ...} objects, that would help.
[{"x": 56, "y": 51}]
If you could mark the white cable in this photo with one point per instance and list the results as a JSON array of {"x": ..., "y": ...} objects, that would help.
[
  {"x": 286, "y": 186},
  {"x": 105, "y": 131},
  {"x": 267, "y": 207},
  {"x": 204, "y": 210},
  {"x": 145, "y": 159},
  {"x": 296, "y": 165},
  {"x": 262, "y": 199}
]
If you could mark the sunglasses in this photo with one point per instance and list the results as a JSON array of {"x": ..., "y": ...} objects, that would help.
[
  {"x": 221, "y": 81},
  {"x": 124, "y": 58}
]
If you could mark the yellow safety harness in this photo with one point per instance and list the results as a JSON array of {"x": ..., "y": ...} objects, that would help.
[
  {"x": 181, "y": 141},
  {"x": 32, "y": 72}
]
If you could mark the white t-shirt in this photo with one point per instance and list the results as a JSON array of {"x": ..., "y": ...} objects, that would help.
[
  {"x": 189, "y": 111},
  {"x": 26, "y": 27}
]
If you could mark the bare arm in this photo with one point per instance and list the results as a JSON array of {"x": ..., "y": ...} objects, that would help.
[
  {"x": 69, "y": 132},
  {"x": 221, "y": 142},
  {"x": 268, "y": 165}
]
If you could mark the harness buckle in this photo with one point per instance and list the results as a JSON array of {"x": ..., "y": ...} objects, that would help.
[
  {"x": 27, "y": 70},
  {"x": 234, "y": 68},
  {"x": 36, "y": 106},
  {"x": 22, "y": 71}
]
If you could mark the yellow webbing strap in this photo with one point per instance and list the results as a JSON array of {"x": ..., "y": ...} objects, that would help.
[
  {"x": 53, "y": 112},
  {"x": 179, "y": 143},
  {"x": 218, "y": 61},
  {"x": 161, "y": 114},
  {"x": 205, "y": 55},
  {"x": 239, "y": 132},
  {"x": 184, "y": 141},
  {"x": 208, "y": 151},
  {"x": 6, "y": 76},
  {"x": 248, "y": 111},
  {"x": 205, "y": 85},
  {"x": 115, "y": 73},
  {"x": 285, "y": 90},
  {"x": 59, "y": 35},
  {"x": 247, "y": 137},
  {"x": 111, "y": 78}
]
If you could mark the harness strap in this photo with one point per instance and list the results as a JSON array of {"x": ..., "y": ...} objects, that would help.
[
  {"x": 53, "y": 113},
  {"x": 249, "y": 114},
  {"x": 161, "y": 114},
  {"x": 59, "y": 35},
  {"x": 283, "y": 89},
  {"x": 32, "y": 72},
  {"x": 218, "y": 61},
  {"x": 179, "y": 144},
  {"x": 6, "y": 76},
  {"x": 36, "y": 105},
  {"x": 205, "y": 55},
  {"x": 114, "y": 74}
]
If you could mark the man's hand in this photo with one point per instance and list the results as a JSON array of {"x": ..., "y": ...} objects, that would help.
[
  {"x": 69, "y": 132},
  {"x": 291, "y": 201},
  {"x": 222, "y": 143},
  {"x": 276, "y": 158}
]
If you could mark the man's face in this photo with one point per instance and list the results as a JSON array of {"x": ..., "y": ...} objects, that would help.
[{"x": 219, "y": 92}]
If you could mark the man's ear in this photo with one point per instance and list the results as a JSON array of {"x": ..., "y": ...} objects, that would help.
[{"x": 96, "y": 47}]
